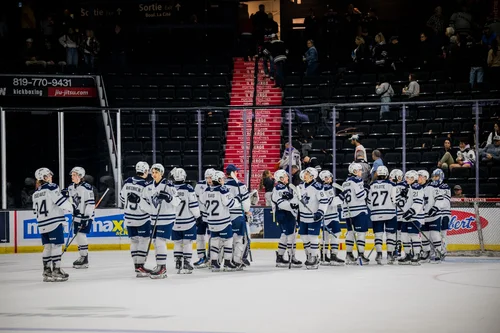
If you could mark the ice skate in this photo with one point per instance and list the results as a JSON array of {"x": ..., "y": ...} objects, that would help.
[
  {"x": 58, "y": 275},
  {"x": 280, "y": 261},
  {"x": 425, "y": 257},
  {"x": 390, "y": 258},
  {"x": 405, "y": 261},
  {"x": 82, "y": 262},
  {"x": 202, "y": 262},
  {"x": 350, "y": 260},
  {"x": 296, "y": 263},
  {"x": 229, "y": 266},
  {"x": 187, "y": 268},
  {"x": 336, "y": 261},
  {"x": 312, "y": 262},
  {"x": 141, "y": 271},
  {"x": 415, "y": 261},
  {"x": 324, "y": 260},
  {"x": 238, "y": 266},
  {"x": 436, "y": 260},
  {"x": 378, "y": 258},
  {"x": 160, "y": 272},
  {"x": 364, "y": 259},
  {"x": 178, "y": 264},
  {"x": 214, "y": 265},
  {"x": 47, "y": 273},
  {"x": 246, "y": 262}
]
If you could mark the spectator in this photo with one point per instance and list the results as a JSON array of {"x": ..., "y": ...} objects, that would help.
[
  {"x": 90, "y": 47},
  {"x": 413, "y": 88},
  {"x": 395, "y": 53},
  {"x": 436, "y": 21},
  {"x": 385, "y": 91},
  {"x": 247, "y": 44},
  {"x": 27, "y": 193},
  {"x": 496, "y": 132},
  {"x": 359, "y": 147},
  {"x": 70, "y": 41},
  {"x": 453, "y": 58},
  {"x": 425, "y": 53},
  {"x": 119, "y": 48},
  {"x": 52, "y": 55},
  {"x": 491, "y": 153},
  {"x": 370, "y": 22},
  {"x": 461, "y": 21},
  {"x": 447, "y": 158},
  {"x": 360, "y": 53},
  {"x": 31, "y": 56},
  {"x": 267, "y": 57},
  {"x": 488, "y": 36},
  {"x": 267, "y": 184},
  {"x": 377, "y": 161},
  {"x": 296, "y": 175},
  {"x": 466, "y": 158},
  {"x": 311, "y": 162},
  {"x": 285, "y": 159},
  {"x": 278, "y": 51},
  {"x": 476, "y": 55},
  {"x": 457, "y": 192},
  {"x": 90, "y": 180},
  {"x": 311, "y": 59},
  {"x": 494, "y": 61},
  {"x": 365, "y": 167},
  {"x": 259, "y": 21},
  {"x": 379, "y": 51},
  {"x": 11, "y": 202}
]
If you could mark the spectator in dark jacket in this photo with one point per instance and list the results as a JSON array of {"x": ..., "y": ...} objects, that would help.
[
  {"x": 311, "y": 59},
  {"x": 267, "y": 184},
  {"x": 379, "y": 51},
  {"x": 295, "y": 175},
  {"x": 476, "y": 54},
  {"x": 425, "y": 52}
]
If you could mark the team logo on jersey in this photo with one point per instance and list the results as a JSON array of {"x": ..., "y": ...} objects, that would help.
[
  {"x": 305, "y": 199},
  {"x": 464, "y": 222},
  {"x": 76, "y": 200}
]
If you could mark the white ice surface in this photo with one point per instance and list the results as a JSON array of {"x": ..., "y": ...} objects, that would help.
[{"x": 460, "y": 295}]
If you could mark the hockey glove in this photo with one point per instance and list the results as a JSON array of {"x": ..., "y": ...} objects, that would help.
[
  {"x": 65, "y": 192},
  {"x": 341, "y": 196},
  {"x": 76, "y": 212},
  {"x": 433, "y": 211},
  {"x": 318, "y": 216},
  {"x": 165, "y": 196},
  {"x": 287, "y": 196},
  {"x": 133, "y": 198},
  {"x": 199, "y": 221},
  {"x": 84, "y": 224},
  {"x": 294, "y": 206},
  {"x": 404, "y": 193},
  {"x": 409, "y": 214}
]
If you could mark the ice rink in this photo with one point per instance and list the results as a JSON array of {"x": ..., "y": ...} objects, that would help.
[{"x": 459, "y": 295}]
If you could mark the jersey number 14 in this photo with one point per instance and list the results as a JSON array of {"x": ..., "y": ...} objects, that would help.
[{"x": 42, "y": 209}]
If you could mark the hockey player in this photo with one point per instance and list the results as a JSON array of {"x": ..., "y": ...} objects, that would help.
[
  {"x": 184, "y": 232},
  {"x": 137, "y": 221},
  {"x": 312, "y": 207},
  {"x": 285, "y": 207},
  {"x": 238, "y": 215},
  {"x": 201, "y": 224},
  {"x": 218, "y": 202},
  {"x": 49, "y": 207},
  {"x": 396, "y": 176},
  {"x": 440, "y": 213},
  {"x": 428, "y": 188},
  {"x": 412, "y": 219},
  {"x": 331, "y": 221},
  {"x": 83, "y": 213},
  {"x": 160, "y": 200},
  {"x": 355, "y": 212},
  {"x": 382, "y": 205}
]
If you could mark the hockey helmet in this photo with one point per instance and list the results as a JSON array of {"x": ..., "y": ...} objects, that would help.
[
  {"x": 142, "y": 167},
  {"x": 411, "y": 174},
  {"x": 209, "y": 173},
  {"x": 396, "y": 175},
  {"x": 382, "y": 171},
  {"x": 280, "y": 174},
  {"x": 159, "y": 167},
  {"x": 218, "y": 176},
  {"x": 323, "y": 175},
  {"x": 79, "y": 171},
  {"x": 438, "y": 173},
  {"x": 423, "y": 173},
  {"x": 354, "y": 168},
  {"x": 178, "y": 174},
  {"x": 312, "y": 172},
  {"x": 41, "y": 173}
]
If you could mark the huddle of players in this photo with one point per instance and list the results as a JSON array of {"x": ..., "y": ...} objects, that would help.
[
  {"x": 402, "y": 208},
  {"x": 162, "y": 210},
  {"x": 49, "y": 206}
]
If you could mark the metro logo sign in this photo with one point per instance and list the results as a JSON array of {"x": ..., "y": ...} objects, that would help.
[{"x": 464, "y": 222}]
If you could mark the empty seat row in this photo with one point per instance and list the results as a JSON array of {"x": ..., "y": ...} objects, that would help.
[
  {"x": 174, "y": 160},
  {"x": 187, "y": 147},
  {"x": 174, "y": 119},
  {"x": 202, "y": 94},
  {"x": 176, "y": 133},
  {"x": 141, "y": 81},
  {"x": 174, "y": 70}
]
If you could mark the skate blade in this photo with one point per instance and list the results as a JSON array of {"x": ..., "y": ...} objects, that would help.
[
  {"x": 81, "y": 266},
  {"x": 296, "y": 266},
  {"x": 215, "y": 270},
  {"x": 158, "y": 277},
  {"x": 229, "y": 269},
  {"x": 352, "y": 263},
  {"x": 335, "y": 263},
  {"x": 141, "y": 275},
  {"x": 187, "y": 271},
  {"x": 312, "y": 267},
  {"x": 201, "y": 266},
  {"x": 415, "y": 264},
  {"x": 48, "y": 279},
  {"x": 282, "y": 265},
  {"x": 390, "y": 263},
  {"x": 436, "y": 262},
  {"x": 324, "y": 263},
  {"x": 59, "y": 279}
]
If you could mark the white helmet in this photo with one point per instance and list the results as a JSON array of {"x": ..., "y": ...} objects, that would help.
[
  {"x": 41, "y": 173},
  {"x": 354, "y": 168},
  {"x": 142, "y": 167},
  {"x": 158, "y": 167},
  {"x": 323, "y": 175},
  {"x": 382, "y": 171},
  {"x": 301, "y": 175},
  {"x": 280, "y": 174},
  {"x": 411, "y": 174},
  {"x": 209, "y": 173},
  {"x": 79, "y": 171},
  {"x": 178, "y": 174},
  {"x": 396, "y": 174},
  {"x": 218, "y": 176},
  {"x": 313, "y": 172},
  {"x": 423, "y": 173}
]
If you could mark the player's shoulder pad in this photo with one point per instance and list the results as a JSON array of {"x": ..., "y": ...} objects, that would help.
[
  {"x": 223, "y": 189},
  {"x": 433, "y": 184},
  {"x": 327, "y": 187},
  {"x": 317, "y": 185},
  {"x": 416, "y": 186},
  {"x": 188, "y": 187},
  {"x": 280, "y": 186},
  {"x": 148, "y": 182},
  {"x": 444, "y": 186},
  {"x": 231, "y": 182},
  {"x": 49, "y": 186},
  {"x": 87, "y": 186},
  {"x": 202, "y": 182}
]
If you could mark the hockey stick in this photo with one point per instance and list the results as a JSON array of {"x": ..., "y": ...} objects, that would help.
[
  {"x": 296, "y": 192},
  {"x": 354, "y": 234},
  {"x": 245, "y": 231},
  {"x": 156, "y": 222},
  {"x": 68, "y": 242},
  {"x": 426, "y": 238}
]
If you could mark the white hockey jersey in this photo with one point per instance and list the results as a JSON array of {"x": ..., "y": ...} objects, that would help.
[
  {"x": 467, "y": 155},
  {"x": 199, "y": 189},
  {"x": 443, "y": 199},
  {"x": 416, "y": 201},
  {"x": 382, "y": 199},
  {"x": 240, "y": 193},
  {"x": 216, "y": 210},
  {"x": 83, "y": 199},
  {"x": 355, "y": 197},
  {"x": 151, "y": 203},
  {"x": 188, "y": 210},
  {"x": 313, "y": 200},
  {"x": 332, "y": 213},
  {"x": 280, "y": 192},
  {"x": 133, "y": 215},
  {"x": 430, "y": 193},
  {"x": 400, "y": 199},
  {"x": 49, "y": 207}
]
